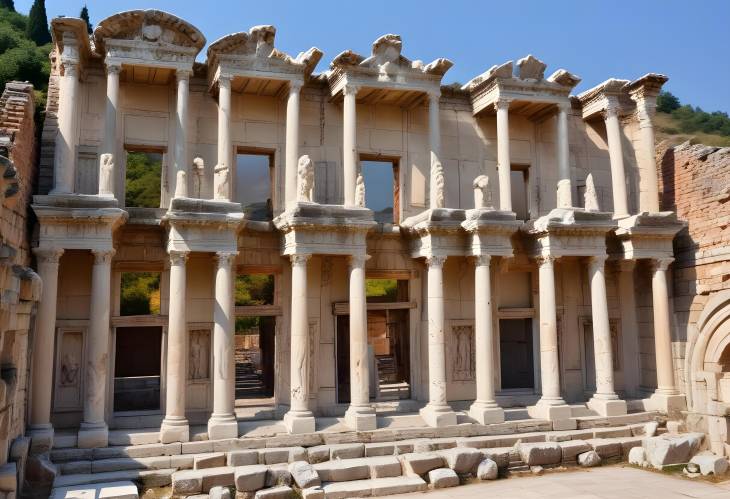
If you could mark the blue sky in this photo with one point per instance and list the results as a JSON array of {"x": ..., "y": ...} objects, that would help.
[{"x": 687, "y": 40}]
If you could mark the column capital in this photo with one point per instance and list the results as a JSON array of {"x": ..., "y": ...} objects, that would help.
[
  {"x": 612, "y": 108},
  {"x": 48, "y": 255},
  {"x": 226, "y": 259},
  {"x": 564, "y": 107},
  {"x": 502, "y": 103},
  {"x": 661, "y": 264},
  {"x": 357, "y": 261},
  {"x": 597, "y": 262},
  {"x": 545, "y": 260},
  {"x": 434, "y": 95},
  {"x": 482, "y": 260},
  {"x": 436, "y": 260},
  {"x": 351, "y": 89},
  {"x": 183, "y": 74},
  {"x": 224, "y": 80},
  {"x": 70, "y": 67},
  {"x": 178, "y": 257},
  {"x": 295, "y": 86},
  {"x": 104, "y": 256},
  {"x": 299, "y": 260},
  {"x": 113, "y": 68}
]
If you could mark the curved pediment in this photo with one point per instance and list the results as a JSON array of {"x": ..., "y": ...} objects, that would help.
[{"x": 149, "y": 27}]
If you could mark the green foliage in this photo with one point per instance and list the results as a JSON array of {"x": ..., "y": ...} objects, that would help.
[
  {"x": 144, "y": 176},
  {"x": 245, "y": 324},
  {"x": 7, "y": 4},
  {"x": 254, "y": 289},
  {"x": 690, "y": 119},
  {"x": 382, "y": 289},
  {"x": 85, "y": 16},
  {"x": 20, "y": 58},
  {"x": 666, "y": 102},
  {"x": 140, "y": 293},
  {"x": 37, "y": 28}
]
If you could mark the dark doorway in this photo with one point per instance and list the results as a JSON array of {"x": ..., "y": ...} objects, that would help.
[
  {"x": 515, "y": 345},
  {"x": 137, "y": 368},
  {"x": 255, "y": 337}
]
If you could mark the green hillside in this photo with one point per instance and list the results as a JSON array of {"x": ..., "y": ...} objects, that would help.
[{"x": 678, "y": 123}]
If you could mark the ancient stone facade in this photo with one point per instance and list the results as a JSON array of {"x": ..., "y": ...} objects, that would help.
[{"x": 522, "y": 245}]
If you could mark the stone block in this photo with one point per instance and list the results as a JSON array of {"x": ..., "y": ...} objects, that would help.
[
  {"x": 462, "y": 460},
  {"x": 304, "y": 474},
  {"x": 637, "y": 456},
  {"x": 187, "y": 482},
  {"x": 442, "y": 478},
  {"x": 119, "y": 490},
  {"x": 420, "y": 464},
  {"x": 199, "y": 447},
  {"x": 671, "y": 449},
  {"x": 347, "y": 451},
  {"x": 606, "y": 448},
  {"x": 572, "y": 448},
  {"x": 313, "y": 493},
  {"x": 212, "y": 460},
  {"x": 540, "y": 453},
  {"x": 219, "y": 492},
  {"x": 384, "y": 466},
  {"x": 182, "y": 461},
  {"x": 589, "y": 459},
  {"x": 318, "y": 454},
  {"x": 487, "y": 470},
  {"x": 710, "y": 464},
  {"x": 282, "y": 455},
  {"x": 243, "y": 457},
  {"x": 280, "y": 492},
  {"x": 342, "y": 471},
  {"x": 499, "y": 455},
  {"x": 217, "y": 476},
  {"x": 250, "y": 478},
  {"x": 278, "y": 474},
  {"x": 379, "y": 449}
]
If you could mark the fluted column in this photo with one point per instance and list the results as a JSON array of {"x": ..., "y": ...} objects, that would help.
[
  {"x": 175, "y": 425},
  {"x": 504, "y": 163},
  {"x": 616, "y": 156},
  {"x": 299, "y": 419},
  {"x": 485, "y": 408},
  {"x": 222, "y": 423},
  {"x": 44, "y": 339},
  {"x": 349, "y": 143},
  {"x": 436, "y": 191},
  {"x": 551, "y": 405},
  {"x": 360, "y": 415},
  {"x": 64, "y": 164},
  {"x": 107, "y": 178},
  {"x": 438, "y": 412},
  {"x": 648, "y": 179},
  {"x": 605, "y": 401},
  {"x": 181, "y": 132},
  {"x": 292, "y": 143},
  {"x": 225, "y": 148},
  {"x": 94, "y": 431},
  {"x": 565, "y": 193}
]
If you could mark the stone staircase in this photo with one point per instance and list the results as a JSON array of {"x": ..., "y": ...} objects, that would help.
[{"x": 379, "y": 462}]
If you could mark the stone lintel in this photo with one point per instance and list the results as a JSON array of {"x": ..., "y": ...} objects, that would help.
[
  {"x": 490, "y": 231},
  {"x": 598, "y": 99},
  {"x": 648, "y": 235},
  {"x": 570, "y": 232}
]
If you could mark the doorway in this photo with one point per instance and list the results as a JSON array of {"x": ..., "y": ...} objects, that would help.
[
  {"x": 137, "y": 364},
  {"x": 516, "y": 358},
  {"x": 254, "y": 354}
]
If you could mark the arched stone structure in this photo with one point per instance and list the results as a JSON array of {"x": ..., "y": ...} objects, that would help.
[{"x": 708, "y": 368}]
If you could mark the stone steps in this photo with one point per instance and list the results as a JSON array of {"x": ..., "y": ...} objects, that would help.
[
  {"x": 374, "y": 487},
  {"x": 121, "y": 489}
]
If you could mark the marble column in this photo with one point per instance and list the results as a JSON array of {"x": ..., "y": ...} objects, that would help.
[
  {"x": 175, "y": 426},
  {"x": 181, "y": 132},
  {"x": 222, "y": 423},
  {"x": 94, "y": 431},
  {"x": 551, "y": 405},
  {"x": 360, "y": 415},
  {"x": 565, "y": 192},
  {"x": 349, "y": 143},
  {"x": 107, "y": 173},
  {"x": 504, "y": 163},
  {"x": 299, "y": 419},
  {"x": 616, "y": 156},
  {"x": 436, "y": 191},
  {"x": 648, "y": 179},
  {"x": 605, "y": 401},
  {"x": 666, "y": 398},
  {"x": 629, "y": 327},
  {"x": 64, "y": 164},
  {"x": 438, "y": 412},
  {"x": 485, "y": 408},
  {"x": 225, "y": 148},
  {"x": 292, "y": 143},
  {"x": 44, "y": 339}
]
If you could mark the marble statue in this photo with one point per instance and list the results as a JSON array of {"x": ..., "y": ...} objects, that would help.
[
  {"x": 564, "y": 194},
  {"x": 305, "y": 181},
  {"x": 482, "y": 194},
  {"x": 106, "y": 174},
  {"x": 181, "y": 185},
  {"x": 360, "y": 191},
  {"x": 199, "y": 171},
  {"x": 590, "y": 198},
  {"x": 221, "y": 183},
  {"x": 437, "y": 184}
]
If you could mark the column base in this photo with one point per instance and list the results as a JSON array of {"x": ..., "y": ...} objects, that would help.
[
  {"x": 438, "y": 416},
  {"x": 174, "y": 430},
  {"x": 92, "y": 435},
  {"x": 361, "y": 418},
  {"x": 666, "y": 403},
  {"x": 298, "y": 422},
  {"x": 607, "y": 407},
  {"x": 41, "y": 438},
  {"x": 221, "y": 427},
  {"x": 486, "y": 412},
  {"x": 555, "y": 411}
]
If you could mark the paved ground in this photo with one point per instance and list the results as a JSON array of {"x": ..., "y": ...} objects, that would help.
[{"x": 614, "y": 482}]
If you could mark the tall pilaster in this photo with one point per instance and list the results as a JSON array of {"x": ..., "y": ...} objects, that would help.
[
  {"x": 485, "y": 408},
  {"x": 605, "y": 401},
  {"x": 181, "y": 132},
  {"x": 616, "y": 156},
  {"x": 565, "y": 193},
  {"x": 629, "y": 327},
  {"x": 64, "y": 164},
  {"x": 225, "y": 147},
  {"x": 292, "y": 143},
  {"x": 175, "y": 426},
  {"x": 504, "y": 163},
  {"x": 107, "y": 174},
  {"x": 648, "y": 179},
  {"x": 436, "y": 191},
  {"x": 438, "y": 412},
  {"x": 44, "y": 339},
  {"x": 349, "y": 143},
  {"x": 360, "y": 415},
  {"x": 222, "y": 423},
  {"x": 94, "y": 431},
  {"x": 551, "y": 405},
  {"x": 299, "y": 419}
]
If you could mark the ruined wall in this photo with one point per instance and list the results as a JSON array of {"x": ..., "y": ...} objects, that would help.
[{"x": 19, "y": 285}]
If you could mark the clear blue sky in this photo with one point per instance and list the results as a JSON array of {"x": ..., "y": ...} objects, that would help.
[{"x": 687, "y": 40}]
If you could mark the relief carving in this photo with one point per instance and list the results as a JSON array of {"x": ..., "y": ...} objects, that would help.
[
  {"x": 463, "y": 361},
  {"x": 437, "y": 183},
  {"x": 199, "y": 354},
  {"x": 69, "y": 370}
]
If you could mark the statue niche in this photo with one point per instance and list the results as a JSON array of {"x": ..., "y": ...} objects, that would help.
[
  {"x": 482, "y": 194},
  {"x": 106, "y": 175},
  {"x": 305, "y": 179},
  {"x": 360, "y": 191}
]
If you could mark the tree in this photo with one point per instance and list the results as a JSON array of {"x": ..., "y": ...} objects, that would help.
[
  {"x": 8, "y": 4},
  {"x": 37, "y": 29},
  {"x": 85, "y": 16},
  {"x": 666, "y": 102}
]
